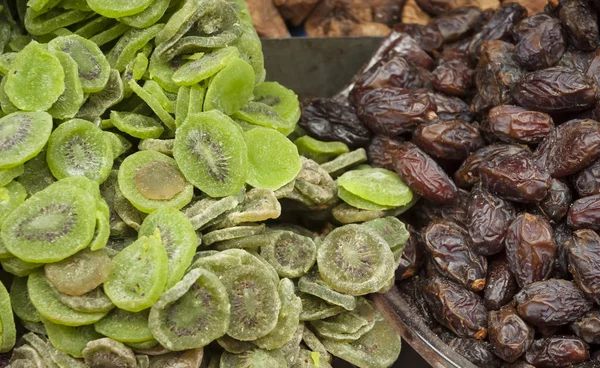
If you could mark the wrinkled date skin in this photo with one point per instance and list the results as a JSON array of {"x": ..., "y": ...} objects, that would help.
[
  {"x": 412, "y": 256},
  {"x": 453, "y": 75},
  {"x": 497, "y": 72},
  {"x": 450, "y": 108},
  {"x": 428, "y": 37},
  {"x": 577, "y": 146},
  {"x": 382, "y": 150},
  {"x": 514, "y": 124},
  {"x": 580, "y": 24},
  {"x": 453, "y": 306},
  {"x": 449, "y": 247},
  {"x": 328, "y": 120},
  {"x": 427, "y": 211},
  {"x": 584, "y": 258},
  {"x": 468, "y": 173},
  {"x": 585, "y": 213},
  {"x": 488, "y": 219},
  {"x": 476, "y": 351},
  {"x": 578, "y": 60},
  {"x": 501, "y": 285},
  {"x": 437, "y": 7},
  {"x": 516, "y": 178},
  {"x": 562, "y": 238},
  {"x": 540, "y": 42},
  {"x": 556, "y": 204},
  {"x": 457, "y": 23},
  {"x": 448, "y": 139},
  {"x": 556, "y": 352},
  {"x": 509, "y": 335},
  {"x": 587, "y": 182},
  {"x": 588, "y": 327},
  {"x": 406, "y": 47},
  {"x": 393, "y": 111},
  {"x": 530, "y": 248},
  {"x": 552, "y": 302},
  {"x": 556, "y": 89},
  {"x": 423, "y": 175}
]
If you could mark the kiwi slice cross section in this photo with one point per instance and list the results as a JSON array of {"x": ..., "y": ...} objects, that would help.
[
  {"x": 125, "y": 326},
  {"x": 22, "y": 136}
]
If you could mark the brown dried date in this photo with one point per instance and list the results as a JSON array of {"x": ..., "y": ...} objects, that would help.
[
  {"x": 448, "y": 139},
  {"x": 556, "y": 204},
  {"x": 427, "y": 36},
  {"x": 587, "y": 182},
  {"x": 553, "y": 302},
  {"x": 530, "y": 248},
  {"x": 460, "y": 310},
  {"x": 580, "y": 24},
  {"x": 412, "y": 256},
  {"x": 406, "y": 47},
  {"x": 576, "y": 59},
  {"x": 540, "y": 42},
  {"x": 457, "y": 23},
  {"x": 382, "y": 150},
  {"x": 329, "y": 120},
  {"x": 556, "y": 89},
  {"x": 562, "y": 238},
  {"x": 423, "y": 175},
  {"x": 556, "y": 352},
  {"x": 449, "y": 247},
  {"x": 450, "y": 108},
  {"x": 501, "y": 285},
  {"x": 453, "y": 77},
  {"x": 437, "y": 7},
  {"x": 514, "y": 124},
  {"x": 584, "y": 258},
  {"x": 427, "y": 211},
  {"x": 476, "y": 351},
  {"x": 585, "y": 213},
  {"x": 577, "y": 146},
  {"x": 393, "y": 111},
  {"x": 488, "y": 219},
  {"x": 516, "y": 178},
  {"x": 509, "y": 335},
  {"x": 588, "y": 327}
]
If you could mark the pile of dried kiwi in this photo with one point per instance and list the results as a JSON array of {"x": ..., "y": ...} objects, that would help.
[{"x": 160, "y": 208}]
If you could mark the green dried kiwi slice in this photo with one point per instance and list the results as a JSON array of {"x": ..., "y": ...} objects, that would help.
[
  {"x": 346, "y": 214},
  {"x": 311, "y": 283},
  {"x": 94, "y": 69},
  {"x": 178, "y": 237},
  {"x": 151, "y": 180},
  {"x": 134, "y": 70},
  {"x": 70, "y": 340},
  {"x": 106, "y": 352},
  {"x": 260, "y": 114},
  {"x": 254, "y": 302},
  {"x": 102, "y": 232},
  {"x": 182, "y": 104},
  {"x": 232, "y": 233},
  {"x": 184, "y": 18},
  {"x": 64, "y": 219},
  {"x": 17, "y": 267},
  {"x": 156, "y": 91},
  {"x": 75, "y": 4},
  {"x": 136, "y": 125},
  {"x": 11, "y": 196},
  {"x": 376, "y": 185},
  {"x": 212, "y": 154},
  {"x": 255, "y": 358},
  {"x": 98, "y": 103},
  {"x": 391, "y": 229},
  {"x": 4, "y": 253},
  {"x": 288, "y": 320},
  {"x": 42, "y": 5},
  {"x": 315, "y": 344},
  {"x": 130, "y": 215},
  {"x": 79, "y": 148},
  {"x": 149, "y": 16},
  {"x": 162, "y": 71},
  {"x": 344, "y": 161},
  {"x": 118, "y": 8},
  {"x": 5, "y": 104},
  {"x": 139, "y": 274},
  {"x": 130, "y": 44},
  {"x": 281, "y": 99},
  {"x": 291, "y": 349},
  {"x": 37, "y": 176},
  {"x": 347, "y": 322},
  {"x": 116, "y": 144},
  {"x": 184, "y": 359},
  {"x": 124, "y": 326},
  {"x": 231, "y": 88},
  {"x": 80, "y": 273},
  {"x": 355, "y": 260},
  {"x": 216, "y": 263},
  {"x": 320, "y": 151},
  {"x": 191, "y": 314},
  {"x": 46, "y": 301},
  {"x": 39, "y": 24},
  {"x": 378, "y": 348},
  {"x": 292, "y": 255},
  {"x": 143, "y": 345},
  {"x": 196, "y": 100},
  {"x": 207, "y": 209},
  {"x": 310, "y": 359},
  {"x": 51, "y": 356},
  {"x": 89, "y": 186},
  {"x": 7, "y": 175},
  {"x": 164, "y": 146},
  {"x": 6, "y": 61},
  {"x": 234, "y": 346},
  {"x": 110, "y": 34},
  {"x": 94, "y": 301},
  {"x": 21, "y": 304},
  {"x": 36, "y": 79},
  {"x": 358, "y": 202},
  {"x": 72, "y": 98},
  {"x": 142, "y": 361},
  {"x": 94, "y": 26},
  {"x": 36, "y": 327},
  {"x": 248, "y": 242},
  {"x": 273, "y": 159},
  {"x": 154, "y": 104},
  {"x": 22, "y": 136},
  {"x": 196, "y": 71},
  {"x": 259, "y": 204},
  {"x": 250, "y": 47},
  {"x": 26, "y": 356}
]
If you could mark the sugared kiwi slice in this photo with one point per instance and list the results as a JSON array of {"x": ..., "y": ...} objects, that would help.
[
  {"x": 148, "y": 16},
  {"x": 281, "y": 99},
  {"x": 7, "y": 322},
  {"x": 136, "y": 125},
  {"x": 255, "y": 358},
  {"x": 376, "y": 185},
  {"x": 129, "y": 44},
  {"x": 97, "y": 103},
  {"x": 391, "y": 229},
  {"x": 154, "y": 104},
  {"x": 184, "y": 359},
  {"x": 18, "y": 267},
  {"x": 319, "y": 151},
  {"x": 311, "y": 283},
  {"x": 315, "y": 344},
  {"x": 234, "y": 346},
  {"x": 125, "y": 326},
  {"x": 211, "y": 152},
  {"x": 358, "y": 202},
  {"x": 80, "y": 273},
  {"x": 348, "y": 325},
  {"x": 118, "y": 8},
  {"x": 92, "y": 302},
  {"x": 7, "y": 175},
  {"x": 11, "y": 197},
  {"x": 22, "y": 136},
  {"x": 196, "y": 71},
  {"x": 105, "y": 352},
  {"x": 152, "y": 180},
  {"x": 291, "y": 254},
  {"x": 162, "y": 71},
  {"x": 37, "y": 176},
  {"x": 79, "y": 148},
  {"x": 68, "y": 339},
  {"x": 21, "y": 304},
  {"x": 206, "y": 210},
  {"x": 231, "y": 88},
  {"x": 192, "y": 313},
  {"x": 178, "y": 237},
  {"x": 51, "y": 225},
  {"x": 72, "y": 98},
  {"x": 258, "y": 113}
]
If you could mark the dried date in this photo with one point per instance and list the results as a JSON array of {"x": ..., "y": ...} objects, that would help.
[
  {"x": 448, "y": 139},
  {"x": 382, "y": 151},
  {"x": 501, "y": 285},
  {"x": 562, "y": 238},
  {"x": 587, "y": 182},
  {"x": 509, "y": 335},
  {"x": 577, "y": 146},
  {"x": 427, "y": 36},
  {"x": 580, "y": 24},
  {"x": 540, "y": 42},
  {"x": 584, "y": 258},
  {"x": 450, "y": 108},
  {"x": 585, "y": 213},
  {"x": 453, "y": 76},
  {"x": 476, "y": 351},
  {"x": 557, "y": 202},
  {"x": 457, "y": 23},
  {"x": 556, "y": 352},
  {"x": 575, "y": 59},
  {"x": 406, "y": 47},
  {"x": 514, "y": 124},
  {"x": 588, "y": 327},
  {"x": 497, "y": 72},
  {"x": 412, "y": 256}
]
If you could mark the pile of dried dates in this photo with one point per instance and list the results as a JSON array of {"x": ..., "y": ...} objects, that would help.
[{"x": 491, "y": 117}]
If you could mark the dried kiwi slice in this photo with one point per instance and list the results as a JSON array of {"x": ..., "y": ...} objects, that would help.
[
  {"x": 255, "y": 358},
  {"x": 154, "y": 104},
  {"x": 97, "y": 103},
  {"x": 70, "y": 340},
  {"x": 21, "y": 304},
  {"x": 281, "y": 99},
  {"x": 148, "y": 16},
  {"x": 231, "y": 88},
  {"x": 391, "y": 229},
  {"x": 376, "y": 185},
  {"x": 118, "y": 8},
  {"x": 273, "y": 159},
  {"x": 207, "y": 209},
  {"x": 129, "y": 44},
  {"x": 45, "y": 300},
  {"x": 105, "y": 352},
  {"x": 36, "y": 79},
  {"x": 360, "y": 203},
  {"x": 258, "y": 113},
  {"x": 124, "y": 326},
  {"x": 319, "y": 151},
  {"x": 180, "y": 359},
  {"x": 212, "y": 154},
  {"x": 92, "y": 302},
  {"x": 26, "y": 356},
  {"x": 151, "y": 180},
  {"x": 196, "y": 71},
  {"x": 349, "y": 325},
  {"x": 22, "y": 136},
  {"x": 258, "y": 205},
  {"x": 315, "y": 344},
  {"x": 311, "y": 283},
  {"x": 192, "y": 313},
  {"x": 18, "y": 267},
  {"x": 11, "y": 197},
  {"x": 72, "y": 98},
  {"x": 345, "y": 161},
  {"x": 51, "y": 225},
  {"x": 139, "y": 274},
  {"x": 7, "y": 322},
  {"x": 178, "y": 237},
  {"x": 346, "y": 214},
  {"x": 216, "y": 263},
  {"x": 292, "y": 255},
  {"x": 79, "y": 148},
  {"x": 162, "y": 71},
  {"x": 136, "y": 125},
  {"x": 37, "y": 175},
  {"x": 234, "y": 346},
  {"x": 229, "y": 233}
]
